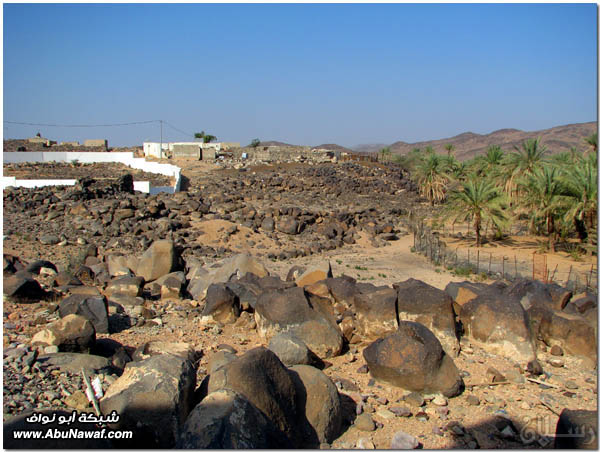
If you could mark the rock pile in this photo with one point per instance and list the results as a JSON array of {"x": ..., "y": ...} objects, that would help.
[{"x": 275, "y": 397}]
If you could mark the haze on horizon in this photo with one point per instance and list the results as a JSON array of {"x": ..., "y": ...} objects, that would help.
[{"x": 300, "y": 73}]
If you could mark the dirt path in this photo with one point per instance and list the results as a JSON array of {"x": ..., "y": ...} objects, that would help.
[{"x": 380, "y": 266}]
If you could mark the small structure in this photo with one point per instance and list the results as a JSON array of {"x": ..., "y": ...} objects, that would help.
[
  {"x": 96, "y": 144},
  {"x": 41, "y": 140},
  {"x": 186, "y": 150}
]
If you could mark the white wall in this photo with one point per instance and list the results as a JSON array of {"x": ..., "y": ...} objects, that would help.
[
  {"x": 93, "y": 157},
  {"x": 152, "y": 149}
]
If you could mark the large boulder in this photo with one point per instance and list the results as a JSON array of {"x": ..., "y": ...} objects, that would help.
[
  {"x": 572, "y": 333},
  {"x": 343, "y": 289},
  {"x": 234, "y": 267},
  {"x": 499, "y": 325},
  {"x": 290, "y": 350},
  {"x": 432, "y": 307},
  {"x": 158, "y": 260},
  {"x": 154, "y": 348},
  {"x": 227, "y": 420},
  {"x": 319, "y": 400},
  {"x": 376, "y": 312},
  {"x": 21, "y": 287},
  {"x": 315, "y": 273},
  {"x": 74, "y": 362},
  {"x": 95, "y": 309},
  {"x": 535, "y": 293},
  {"x": 289, "y": 310},
  {"x": 412, "y": 358},
  {"x": 222, "y": 304},
  {"x": 577, "y": 429},
  {"x": 72, "y": 333},
  {"x": 287, "y": 225},
  {"x": 130, "y": 286},
  {"x": 153, "y": 398},
  {"x": 263, "y": 380},
  {"x": 465, "y": 291}
]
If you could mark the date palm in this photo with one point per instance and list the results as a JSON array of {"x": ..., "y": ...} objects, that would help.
[
  {"x": 477, "y": 200},
  {"x": 431, "y": 178},
  {"x": 592, "y": 140},
  {"x": 545, "y": 199},
  {"x": 385, "y": 153},
  {"x": 581, "y": 183},
  {"x": 521, "y": 164}
]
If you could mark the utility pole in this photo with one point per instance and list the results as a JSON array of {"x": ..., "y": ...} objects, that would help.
[{"x": 161, "y": 151}]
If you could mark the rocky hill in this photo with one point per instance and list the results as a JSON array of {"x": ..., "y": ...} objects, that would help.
[{"x": 467, "y": 145}]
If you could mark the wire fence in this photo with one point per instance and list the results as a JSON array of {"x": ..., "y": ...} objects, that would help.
[{"x": 466, "y": 260}]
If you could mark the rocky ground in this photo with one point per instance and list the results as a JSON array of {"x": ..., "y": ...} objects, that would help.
[{"x": 92, "y": 243}]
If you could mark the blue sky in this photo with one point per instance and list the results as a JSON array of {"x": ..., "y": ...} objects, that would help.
[{"x": 303, "y": 74}]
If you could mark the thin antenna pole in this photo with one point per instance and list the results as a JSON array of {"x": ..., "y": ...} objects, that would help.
[{"x": 161, "y": 151}]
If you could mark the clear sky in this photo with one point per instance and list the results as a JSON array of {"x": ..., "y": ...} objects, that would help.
[{"x": 303, "y": 74}]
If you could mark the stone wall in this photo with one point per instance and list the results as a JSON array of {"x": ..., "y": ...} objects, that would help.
[
  {"x": 96, "y": 143},
  {"x": 186, "y": 151},
  {"x": 282, "y": 153}
]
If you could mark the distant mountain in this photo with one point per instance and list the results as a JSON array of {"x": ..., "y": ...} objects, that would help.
[
  {"x": 467, "y": 145},
  {"x": 333, "y": 147},
  {"x": 368, "y": 147},
  {"x": 278, "y": 143}
]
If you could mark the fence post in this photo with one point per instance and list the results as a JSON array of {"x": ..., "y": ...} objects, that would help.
[
  {"x": 569, "y": 277},
  {"x": 503, "y": 258},
  {"x": 554, "y": 273},
  {"x": 515, "y": 266},
  {"x": 590, "y": 277},
  {"x": 490, "y": 264},
  {"x": 477, "y": 261}
]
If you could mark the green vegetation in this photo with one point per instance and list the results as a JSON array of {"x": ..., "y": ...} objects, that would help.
[
  {"x": 557, "y": 195},
  {"x": 385, "y": 153},
  {"x": 254, "y": 143},
  {"x": 206, "y": 138},
  {"x": 358, "y": 267}
]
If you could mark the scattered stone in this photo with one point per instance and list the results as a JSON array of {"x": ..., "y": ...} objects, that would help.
[
  {"x": 472, "y": 400},
  {"x": 570, "y": 384},
  {"x": 402, "y": 440},
  {"x": 401, "y": 411},
  {"x": 364, "y": 422},
  {"x": 365, "y": 443}
]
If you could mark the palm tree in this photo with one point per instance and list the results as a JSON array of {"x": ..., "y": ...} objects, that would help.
[
  {"x": 477, "y": 200},
  {"x": 206, "y": 138},
  {"x": 544, "y": 197},
  {"x": 581, "y": 182},
  {"x": 522, "y": 163},
  {"x": 431, "y": 178},
  {"x": 592, "y": 140},
  {"x": 450, "y": 148},
  {"x": 493, "y": 157},
  {"x": 385, "y": 152}
]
